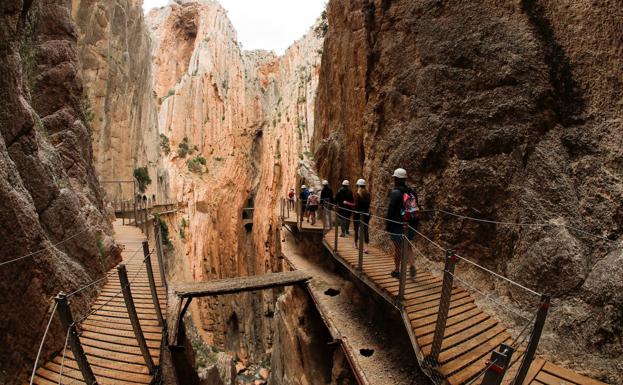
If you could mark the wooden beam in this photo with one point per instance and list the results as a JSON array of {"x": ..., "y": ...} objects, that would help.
[{"x": 238, "y": 284}]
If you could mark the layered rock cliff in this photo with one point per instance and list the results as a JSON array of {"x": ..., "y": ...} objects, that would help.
[
  {"x": 51, "y": 207},
  {"x": 115, "y": 53},
  {"x": 237, "y": 124},
  {"x": 509, "y": 111}
]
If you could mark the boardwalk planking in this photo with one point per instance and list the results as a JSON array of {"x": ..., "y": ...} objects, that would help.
[
  {"x": 107, "y": 337},
  {"x": 471, "y": 333}
]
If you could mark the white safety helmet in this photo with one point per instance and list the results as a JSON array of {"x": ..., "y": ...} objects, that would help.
[
  {"x": 311, "y": 190},
  {"x": 303, "y": 186},
  {"x": 400, "y": 173},
  {"x": 361, "y": 182},
  {"x": 345, "y": 182},
  {"x": 325, "y": 182}
]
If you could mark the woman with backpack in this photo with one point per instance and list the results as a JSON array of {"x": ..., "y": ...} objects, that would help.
[
  {"x": 361, "y": 216},
  {"x": 343, "y": 196},
  {"x": 313, "y": 200},
  {"x": 291, "y": 194},
  {"x": 403, "y": 208}
]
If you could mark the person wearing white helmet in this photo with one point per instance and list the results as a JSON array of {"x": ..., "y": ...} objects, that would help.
[
  {"x": 313, "y": 200},
  {"x": 303, "y": 200},
  {"x": 403, "y": 210},
  {"x": 343, "y": 196},
  {"x": 361, "y": 215},
  {"x": 326, "y": 200}
]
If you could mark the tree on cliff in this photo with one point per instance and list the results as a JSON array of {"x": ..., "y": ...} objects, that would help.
[{"x": 142, "y": 177}]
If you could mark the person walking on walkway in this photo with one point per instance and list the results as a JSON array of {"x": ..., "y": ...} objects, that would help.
[
  {"x": 291, "y": 194},
  {"x": 403, "y": 208},
  {"x": 313, "y": 200},
  {"x": 326, "y": 200},
  {"x": 343, "y": 196},
  {"x": 361, "y": 216},
  {"x": 303, "y": 200}
]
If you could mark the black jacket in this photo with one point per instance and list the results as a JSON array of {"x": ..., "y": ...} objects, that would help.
[
  {"x": 326, "y": 195},
  {"x": 343, "y": 194},
  {"x": 395, "y": 205}
]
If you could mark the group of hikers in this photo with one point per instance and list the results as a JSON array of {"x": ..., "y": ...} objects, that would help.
[{"x": 402, "y": 217}]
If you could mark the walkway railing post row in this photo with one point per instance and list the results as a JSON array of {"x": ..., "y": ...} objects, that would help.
[
  {"x": 160, "y": 251},
  {"x": 67, "y": 322},
  {"x": 535, "y": 336},
  {"x": 403, "y": 266},
  {"x": 498, "y": 365},
  {"x": 336, "y": 229},
  {"x": 360, "y": 245},
  {"x": 444, "y": 305},
  {"x": 123, "y": 213},
  {"x": 152, "y": 283},
  {"x": 136, "y": 326}
]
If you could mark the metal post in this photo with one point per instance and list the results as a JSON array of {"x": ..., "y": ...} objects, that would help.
[
  {"x": 152, "y": 283},
  {"x": 534, "y": 340},
  {"x": 335, "y": 240},
  {"x": 403, "y": 266},
  {"x": 145, "y": 221},
  {"x": 123, "y": 212},
  {"x": 136, "y": 326},
  {"x": 323, "y": 218},
  {"x": 288, "y": 207},
  {"x": 497, "y": 365},
  {"x": 444, "y": 305},
  {"x": 67, "y": 322},
  {"x": 361, "y": 232},
  {"x": 134, "y": 200},
  {"x": 160, "y": 250}
]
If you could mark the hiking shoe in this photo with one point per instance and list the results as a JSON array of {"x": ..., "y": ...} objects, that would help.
[
  {"x": 395, "y": 274},
  {"x": 412, "y": 271},
  {"x": 365, "y": 250},
  {"x": 342, "y": 235},
  {"x": 355, "y": 245}
]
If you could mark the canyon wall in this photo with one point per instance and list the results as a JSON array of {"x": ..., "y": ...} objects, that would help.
[
  {"x": 115, "y": 53},
  {"x": 234, "y": 143},
  {"x": 51, "y": 207},
  {"x": 509, "y": 111}
]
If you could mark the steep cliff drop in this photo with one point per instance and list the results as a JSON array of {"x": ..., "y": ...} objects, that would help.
[
  {"x": 501, "y": 111},
  {"x": 54, "y": 231}
]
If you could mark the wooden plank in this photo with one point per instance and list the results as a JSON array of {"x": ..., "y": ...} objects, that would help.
[
  {"x": 416, "y": 314},
  {"x": 454, "y": 329},
  {"x": 432, "y": 319},
  {"x": 102, "y": 374},
  {"x": 239, "y": 284},
  {"x": 569, "y": 375},
  {"x": 455, "y": 351},
  {"x": 469, "y": 357},
  {"x": 549, "y": 379},
  {"x": 535, "y": 368}
]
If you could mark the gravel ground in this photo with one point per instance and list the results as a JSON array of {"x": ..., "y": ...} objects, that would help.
[{"x": 388, "y": 364}]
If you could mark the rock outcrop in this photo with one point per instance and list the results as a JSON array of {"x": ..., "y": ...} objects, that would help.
[
  {"x": 509, "y": 111},
  {"x": 51, "y": 207},
  {"x": 115, "y": 52},
  {"x": 238, "y": 124}
]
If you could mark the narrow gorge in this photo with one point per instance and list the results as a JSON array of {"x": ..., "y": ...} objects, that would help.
[{"x": 506, "y": 115}]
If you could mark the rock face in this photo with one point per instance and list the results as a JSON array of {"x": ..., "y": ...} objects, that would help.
[
  {"x": 114, "y": 48},
  {"x": 302, "y": 355},
  {"x": 50, "y": 202},
  {"x": 238, "y": 124},
  {"x": 509, "y": 111}
]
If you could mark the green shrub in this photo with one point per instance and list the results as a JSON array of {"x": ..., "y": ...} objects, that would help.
[
  {"x": 164, "y": 144},
  {"x": 197, "y": 164},
  {"x": 183, "y": 148},
  {"x": 183, "y": 226},
  {"x": 142, "y": 177},
  {"x": 164, "y": 230}
]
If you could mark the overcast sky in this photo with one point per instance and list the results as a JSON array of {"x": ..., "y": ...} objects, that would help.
[{"x": 266, "y": 24}]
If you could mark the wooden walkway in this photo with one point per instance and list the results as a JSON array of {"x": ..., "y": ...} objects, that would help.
[
  {"x": 471, "y": 334},
  {"x": 107, "y": 336},
  {"x": 306, "y": 226}
]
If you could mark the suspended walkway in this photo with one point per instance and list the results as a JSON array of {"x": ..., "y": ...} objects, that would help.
[
  {"x": 455, "y": 341},
  {"x": 119, "y": 341}
]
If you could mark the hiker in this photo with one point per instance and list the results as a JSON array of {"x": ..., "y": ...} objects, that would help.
[
  {"x": 326, "y": 200},
  {"x": 343, "y": 196},
  {"x": 291, "y": 194},
  {"x": 313, "y": 200},
  {"x": 403, "y": 208},
  {"x": 303, "y": 200},
  {"x": 361, "y": 206}
]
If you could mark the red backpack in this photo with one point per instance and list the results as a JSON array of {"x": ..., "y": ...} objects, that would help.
[
  {"x": 410, "y": 210},
  {"x": 291, "y": 194}
]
